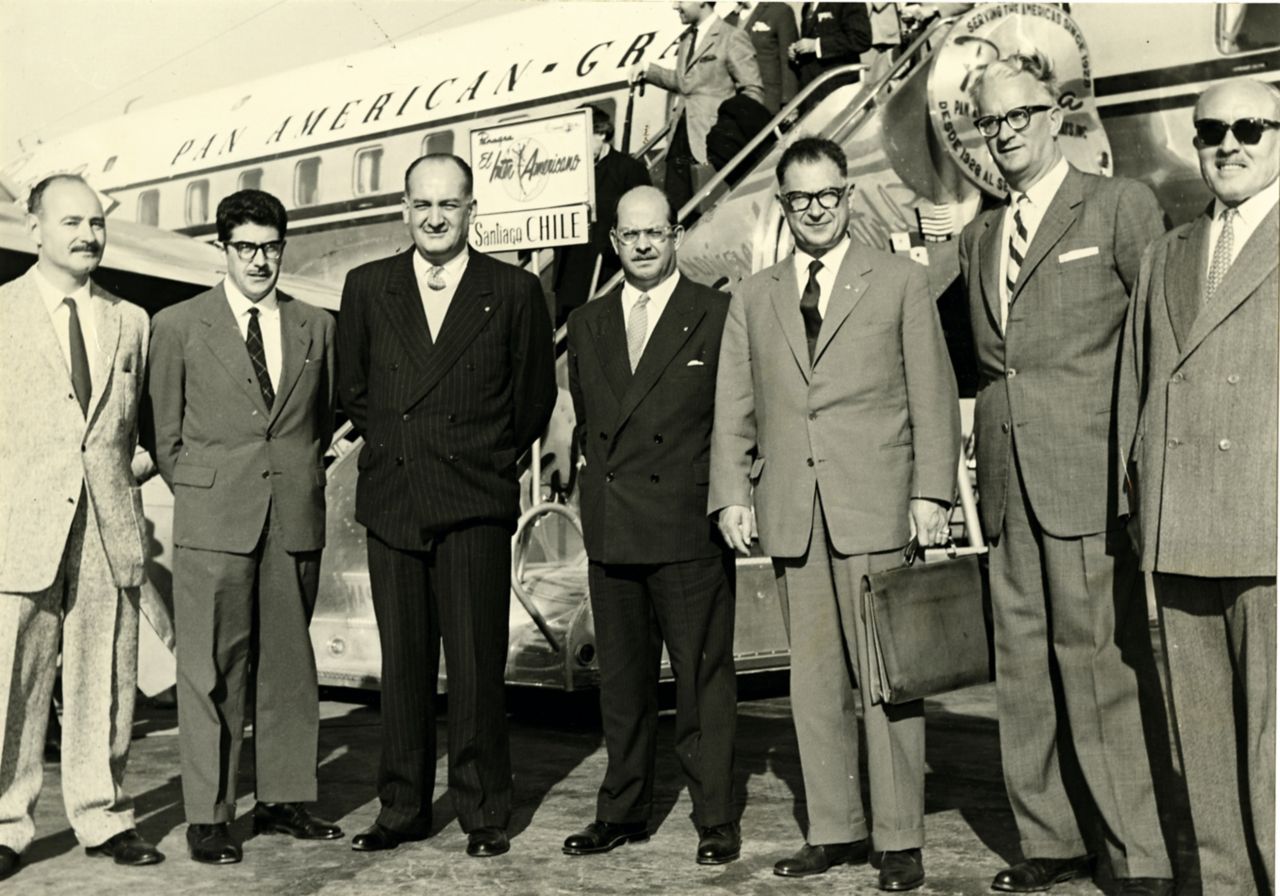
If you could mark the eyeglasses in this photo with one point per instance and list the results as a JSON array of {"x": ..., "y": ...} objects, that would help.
[
  {"x": 656, "y": 235},
  {"x": 248, "y": 251},
  {"x": 799, "y": 201},
  {"x": 1211, "y": 131},
  {"x": 1018, "y": 119}
]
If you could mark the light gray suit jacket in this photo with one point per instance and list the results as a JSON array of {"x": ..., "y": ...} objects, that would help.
[
  {"x": 872, "y": 423},
  {"x": 52, "y": 457},
  {"x": 725, "y": 61},
  {"x": 1199, "y": 406}
]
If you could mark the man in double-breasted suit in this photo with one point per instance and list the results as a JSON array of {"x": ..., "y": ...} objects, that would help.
[
  {"x": 446, "y": 368},
  {"x": 836, "y": 413},
  {"x": 713, "y": 61},
  {"x": 831, "y": 35},
  {"x": 642, "y": 372},
  {"x": 242, "y": 397},
  {"x": 1048, "y": 277},
  {"x": 72, "y": 358},
  {"x": 1200, "y": 356},
  {"x": 772, "y": 30}
]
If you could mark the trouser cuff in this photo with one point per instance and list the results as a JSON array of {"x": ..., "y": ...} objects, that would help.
[
  {"x": 892, "y": 841},
  {"x": 1053, "y": 849}
]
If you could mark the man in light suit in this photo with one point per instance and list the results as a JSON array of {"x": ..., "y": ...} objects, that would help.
[
  {"x": 242, "y": 395},
  {"x": 72, "y": 358},
  {"x": 446, "y": 368},
  {"x": 1048, "y": 276},
  {"x": 713, "y": 60},
  {"x": 642, "y": 373},
  {"x": 1200, "y": 356},
  {"x": 836, "y": 405},
  {"x": 772, "y": 30}
]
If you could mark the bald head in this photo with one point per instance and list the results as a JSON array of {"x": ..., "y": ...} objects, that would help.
[
  {"x": 1257, "y": 94},
  {"x": 644, "y": 238},
  {"x": 645, "y": 201},
  {"x": 1234, "y": 170}
]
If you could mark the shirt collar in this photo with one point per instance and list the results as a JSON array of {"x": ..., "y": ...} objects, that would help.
[
  {"x": 240, "y": 303},
  {"x": 1041, "y": 192},
  {"x": 704, "y": 27},
  {"x": 453, "y": 268},
  {"x": 831, "y": 259},
  {"x": 658, "y": 295},
  {"x": 52, "y": 296},
  {"x": 1253, "y": 209}
]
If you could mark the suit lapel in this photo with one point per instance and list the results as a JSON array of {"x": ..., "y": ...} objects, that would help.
[
  {"x": 990, "y": 247},
  {"x": 1184, "y": 278},
  {"x": 295, "y": 345},
  {"x": 108, "y": 325},
  {"x": 40, "y": 328},
  {"x": 222, "y": 335},
  {"x": 472, "y": 305},
  {"x": 1256, "y": 260},
  {"x": 1060, "y": 215},
  {"x": 610, "y": 343},
  {"x": 679, "y": 320},
  {"x": 704, "y": 45},
  {"x": 404, "y": 309},
  {"x": 786, "y": 305},
  {"x": 850, "y": 285}
]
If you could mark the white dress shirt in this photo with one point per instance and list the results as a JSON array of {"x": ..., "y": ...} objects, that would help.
[
  {"x": 435, "y": 302},
  {"x": 1251, "y": 213},
  {"x": 88, "y": 310},
  {"x": 268, "y": 321},
  {"x": 831, "y": 262},
  {"x": 658, "y": 298},
  {"x": 1039, "y": 195}
]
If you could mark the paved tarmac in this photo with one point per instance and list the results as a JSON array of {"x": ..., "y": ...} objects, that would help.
[{"x": 559, "y": 759}]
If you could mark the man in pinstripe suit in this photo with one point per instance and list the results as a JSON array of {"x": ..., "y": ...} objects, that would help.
[{"x": 446, "y": 368}]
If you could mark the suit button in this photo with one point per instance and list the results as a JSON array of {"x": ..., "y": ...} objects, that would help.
[
  {"x": 84, "y": 448},
  {"x": 404, "y": 417},
  {"x": 608, "y": 477},
  {"x": 657, "y": 440},
  {"x": 1174, "y": 443},
  {"x": 268, "y": 437},
  {"x": 266, "y": 473},
  {"x": 1004, "y": 427},
  {"x": 654, "y": 478},
  {"x": 71, "y": 396},
  {"x": 453, "y": 458},
  {"x": 1233, "y": 378},
  {"x": 813, "y": 415},
  {"x": 1011, "y": 372},
  {"x": 1178, "y": 377},
  {"x": 452, "y": 418},
  {"x": 71, "y": 500},
  {"x": 399, "y": 461},
  {"x": 395, "y": 365},
  {"x": 604, "y": 437},
  {"x": 1224, "y": 445},
  {"x": 809, "y": 461}
]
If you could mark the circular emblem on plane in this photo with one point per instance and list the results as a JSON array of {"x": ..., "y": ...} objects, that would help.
[{"x": 993, "y": 31}]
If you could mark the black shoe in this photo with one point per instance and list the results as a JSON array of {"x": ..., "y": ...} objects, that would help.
[
  {"x": 213, "y": 844},
  {"x": 719, "y": 843},
  {"x": 901, "y": 869},
  {"x": 10, "y": 861},
  {"x": 602, "y": 836},
  {"x": 294, "y": 820},
  {"x": 1144, "y": 886},
  {"x": 1035, "y": 875},
  {"x": 378, "y": 837},
  {"x": 817, "y": 859},
  {"x": 485, "y": 843},
  {"x": 127, "y": 848}
]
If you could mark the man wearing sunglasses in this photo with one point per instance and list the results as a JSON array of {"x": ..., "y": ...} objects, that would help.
[
  {"x": 1200, "y": 356},
  {"x": 242, "y": 396},
  {"x": 837, "y": 416},
  {"x": 1048, "y": 275}
]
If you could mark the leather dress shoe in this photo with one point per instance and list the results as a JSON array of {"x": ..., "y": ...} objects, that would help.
[
  {"x": 127, "y": 848},
  {"x": 1145, "y": 886},
  {"x": 485, "y": 843},
  {"x": 10, "y": 861},
  {"x": 901, "y": 869},
  {"x": 719, "y": 843},
  {"x": 213, "y": 844},
  {"x": 294, "y": 820},
  {"x": 1035, "y": 875},
  {"x": 817, "y": 859},
  {"x": 602, "y": 836},
  {"x": 378, "y": 837}
]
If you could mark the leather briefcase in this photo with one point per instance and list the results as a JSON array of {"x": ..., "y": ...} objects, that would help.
[{"x": 928, "y": 626}]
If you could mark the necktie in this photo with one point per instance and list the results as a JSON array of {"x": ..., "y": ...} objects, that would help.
[
  {"x": 435, "y": 278},
  {"x": 637, "y": 327},
  {"x": 258, "y": 355},
  {"x": 1017, "y": 255},
  {"x": 693, "y": 48},
  {"x": 808, "y": 18},
  {"x": 1221, "y": 253},
  {"x": 81, "y": 381},
  {"x": 809, "y": 307}
]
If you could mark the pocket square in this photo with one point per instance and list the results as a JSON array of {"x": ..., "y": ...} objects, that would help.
[
  {"x": 761, "y": 26},
  {"x": 825, "y": 17},
  {"x": 710, "y": 57},
  {"x": 1076, "y": 254},
  {"x": 695, "y": 363}
]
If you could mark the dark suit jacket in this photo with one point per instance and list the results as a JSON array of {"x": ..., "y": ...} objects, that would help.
[
  {"x": 647, "y": 437},
  {"x": 772, "y": 29},
  {"x": 844, "y": 33},
  {"x": 443, "y": 423},
  {"x": 226, "y": 455},
  {"x": 1049, "y": 382},
  {"x": 1204, "y": 446}
]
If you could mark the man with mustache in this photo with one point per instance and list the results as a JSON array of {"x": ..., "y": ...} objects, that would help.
[
  {"x": 446, "y": 369},
  {"x": 242, "y": 394},
  {"x": 72, "y": 358}
]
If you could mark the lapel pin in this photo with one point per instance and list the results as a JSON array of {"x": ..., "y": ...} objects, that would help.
[
  {"x": 486, "y": 309},
  {"x": 686, "y": 329}
]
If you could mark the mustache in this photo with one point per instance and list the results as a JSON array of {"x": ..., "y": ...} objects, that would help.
[{"x": 94, "y": 248}]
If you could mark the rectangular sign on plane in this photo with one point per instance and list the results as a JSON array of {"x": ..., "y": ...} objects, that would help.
[{"x": 534, "y": 183}]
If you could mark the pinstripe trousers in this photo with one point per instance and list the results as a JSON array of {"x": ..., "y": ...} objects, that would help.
[{"x": 457, "y": 592}]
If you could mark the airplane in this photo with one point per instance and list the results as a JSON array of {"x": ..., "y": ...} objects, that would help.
[{"x": 332, "y": 139}]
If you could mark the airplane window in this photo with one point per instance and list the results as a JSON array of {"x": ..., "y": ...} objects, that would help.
[
  {"x": 198, "y": 202},
  {"x": 149, "y": 208},
  {"x": 1248, "y": 26},
  {"x": 368, "y": 173},
  {"x": 306, "y": 182},
  {"x": 441, "y": 141},
  {"x": 250, "y": 179}
]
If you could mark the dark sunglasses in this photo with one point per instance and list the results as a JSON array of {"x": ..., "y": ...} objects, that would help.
[{"x": 1211, "y": 131}]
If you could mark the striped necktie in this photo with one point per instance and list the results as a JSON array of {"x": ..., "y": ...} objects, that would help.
[
  {"x": 1221, "y": 253},
  {"x": 637, "y": 329},
  {"x": 258, "y": 355},
  {"x": 1017, "y": 255}
]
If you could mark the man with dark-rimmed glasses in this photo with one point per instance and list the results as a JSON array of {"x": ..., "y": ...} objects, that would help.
[
  {"x": 1048, "y": 276},
  {"x": 242, "y": 396},
  {"x": 837, "y": 417}
]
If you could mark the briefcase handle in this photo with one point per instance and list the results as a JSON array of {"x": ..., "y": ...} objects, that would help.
[{"x": 913, "y": 551}]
